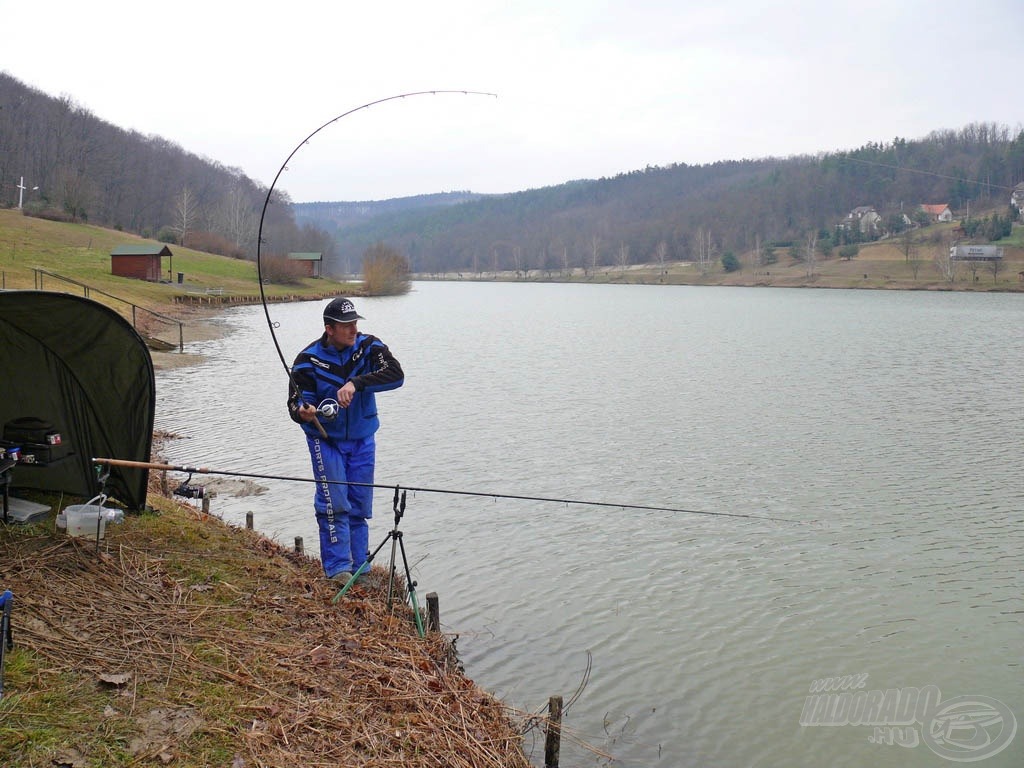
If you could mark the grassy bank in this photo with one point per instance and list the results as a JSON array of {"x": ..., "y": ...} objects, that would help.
[
  {"x": 81, "y": 252},
  {"x": 183, "y": 642}
]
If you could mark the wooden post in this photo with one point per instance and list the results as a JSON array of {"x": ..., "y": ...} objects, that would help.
[
  {"x": 299, "y": 549},
  {"x": 433, "y": 613},
  {"x": 248, "y": 520},
  {"x": 553, "y": 740},
  {"x": 206, "y": 504},
  {"x": 163, "y": 484}
]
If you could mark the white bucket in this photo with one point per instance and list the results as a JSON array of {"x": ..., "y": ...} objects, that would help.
[
  {"x": 83, "y": 520},
  {"x": 89, "y": 519}
]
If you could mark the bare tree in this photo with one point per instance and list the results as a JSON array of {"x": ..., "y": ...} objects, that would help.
[
  {"x": 915, "y": 266},
  {"x": 184, "y": 214},
  {"x": 595, "y": 252},
  {"x": 661, "y": 255},
  {"x": 973, "y": 266},
  {"x": 623, "y": 256},
  {"x": 944, "y": 262},
  {"x": 907, "y": 245},
  {"x": 811, "y": 253},
  {"x": 993, "y": 266},
  {"x": 236, "y": 219},
  {"x": 704, "y": 249}
]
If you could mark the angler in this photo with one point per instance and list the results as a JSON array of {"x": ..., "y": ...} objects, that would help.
[{"x": 341, "y": 372}]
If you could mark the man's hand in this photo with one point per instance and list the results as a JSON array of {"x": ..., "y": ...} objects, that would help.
[
  {"x": 346, "y": 393},
  {"x": 307, "y": 413}
]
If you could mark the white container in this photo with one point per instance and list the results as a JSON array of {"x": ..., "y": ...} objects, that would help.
[{"x": 84, "y": 519}]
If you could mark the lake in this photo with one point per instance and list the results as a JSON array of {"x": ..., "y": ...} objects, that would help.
[{"x": 880, "y": 622}]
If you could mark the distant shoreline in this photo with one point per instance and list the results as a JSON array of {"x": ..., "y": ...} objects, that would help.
[{"x": 769, "y": 278}]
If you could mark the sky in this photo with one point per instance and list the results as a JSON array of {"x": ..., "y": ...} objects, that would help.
[{"x": 583, "y": 89}]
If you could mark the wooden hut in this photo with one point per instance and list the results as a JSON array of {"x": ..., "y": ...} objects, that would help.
[
  {"x": 310, "y": 263},
  {"x": 141, "y": 261}
]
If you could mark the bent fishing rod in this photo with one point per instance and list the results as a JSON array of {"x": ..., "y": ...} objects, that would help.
[
  {"x": 266, "y": 202},
  {"x": 397, "y": 487}
]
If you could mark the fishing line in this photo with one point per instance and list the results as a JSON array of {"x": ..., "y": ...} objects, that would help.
[
  {"x": 270, "y": 191},
  {"x": 419, "y": 489}
]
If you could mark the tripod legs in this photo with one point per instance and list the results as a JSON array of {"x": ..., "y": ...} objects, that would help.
[{"x": 395, "y": 536}]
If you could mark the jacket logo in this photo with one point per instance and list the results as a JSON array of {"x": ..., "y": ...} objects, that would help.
[{"x": 319, "y": 363}]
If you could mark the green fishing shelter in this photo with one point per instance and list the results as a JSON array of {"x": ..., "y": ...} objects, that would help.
[{"x": 79, "y": 367}]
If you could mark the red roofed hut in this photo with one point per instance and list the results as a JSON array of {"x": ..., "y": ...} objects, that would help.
[
  {"x": 139, "y": 260},
  {"x": 309, "y": 263}
]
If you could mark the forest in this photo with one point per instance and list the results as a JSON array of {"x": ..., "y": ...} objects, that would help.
[
  {"x": 61, "y": 161},
  {"x": 706, "y": 213}
]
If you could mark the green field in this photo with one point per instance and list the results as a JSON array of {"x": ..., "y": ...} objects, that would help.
[{"x": 81, "y": 252}]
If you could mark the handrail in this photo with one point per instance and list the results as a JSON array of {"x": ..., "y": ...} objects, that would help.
[{"x": 87, "y": 289}]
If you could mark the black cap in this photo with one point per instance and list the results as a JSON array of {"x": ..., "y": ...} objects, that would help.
[{"x": 341, "y": 310}]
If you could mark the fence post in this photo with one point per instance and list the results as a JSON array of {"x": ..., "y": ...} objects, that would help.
[
  {"x": 433, "y": 612},
  {"x": 248, "y": 520},
  {"x": 553, "y": 740},
  {"x": 299, "y": 547}
]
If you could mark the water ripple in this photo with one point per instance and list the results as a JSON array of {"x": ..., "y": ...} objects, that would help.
[{"x": 896, "y": 450}]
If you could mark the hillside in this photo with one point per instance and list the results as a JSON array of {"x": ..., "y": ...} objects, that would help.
[
  {"x": 681, "y": 212},
  {"x": 37, "y": 253},
  {"x": 335, "y": 217}
]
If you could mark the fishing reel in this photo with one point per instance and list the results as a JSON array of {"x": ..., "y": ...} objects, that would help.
[
  {"x": 328, "y": 410},
  {"x": 187, "y": 491}
]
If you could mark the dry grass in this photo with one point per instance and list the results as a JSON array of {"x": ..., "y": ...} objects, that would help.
[{"x": 181, "y": 641}]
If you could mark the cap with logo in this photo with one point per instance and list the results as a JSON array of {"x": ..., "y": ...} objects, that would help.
[{"x": 341, "y": 310}]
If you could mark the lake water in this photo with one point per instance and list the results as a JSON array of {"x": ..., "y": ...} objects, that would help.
[{"x": 886, "y": 425}]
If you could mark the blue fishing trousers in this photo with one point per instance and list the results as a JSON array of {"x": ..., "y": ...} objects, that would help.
[{"x": 342, "y": 511}]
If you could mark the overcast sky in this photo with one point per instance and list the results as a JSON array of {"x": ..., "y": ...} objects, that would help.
[{"x": 584, "y": 88}]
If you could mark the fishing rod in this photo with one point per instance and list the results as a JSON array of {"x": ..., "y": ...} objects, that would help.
[
  {"x": 266, "y": 202},
  {"x": 396, "y": 487}
]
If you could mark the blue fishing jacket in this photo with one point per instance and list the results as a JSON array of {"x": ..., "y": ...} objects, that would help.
[{"x": 320, "y": 370}]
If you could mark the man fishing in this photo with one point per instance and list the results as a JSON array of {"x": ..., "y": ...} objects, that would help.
[{"x": 336, "y": 378}]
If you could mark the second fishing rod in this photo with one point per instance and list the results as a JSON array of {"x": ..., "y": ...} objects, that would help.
[{"x": 191, "y": 470}]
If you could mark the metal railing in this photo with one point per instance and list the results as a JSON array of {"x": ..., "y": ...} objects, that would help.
[{"x": 38, "y": 275}]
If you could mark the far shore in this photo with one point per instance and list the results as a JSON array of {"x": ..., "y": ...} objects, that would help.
[
  {"x": 880, "y": 267},
  {"x": 867, "y": 273}
]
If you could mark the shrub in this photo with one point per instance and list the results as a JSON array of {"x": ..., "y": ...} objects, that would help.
[
  {"x": 385, "y": 271},
  {"x": 211, "y": 242},
  {"x": 281, "y": 270}
]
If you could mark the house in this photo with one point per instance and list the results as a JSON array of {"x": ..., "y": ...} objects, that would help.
[
  {"x": 865, "y": 218},
  {"x": 140, "y": 261},
  {"x": 311, "y": 263},
  {"x": 1017, "y": 196},
  {"x": 939, "y": 212}
]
